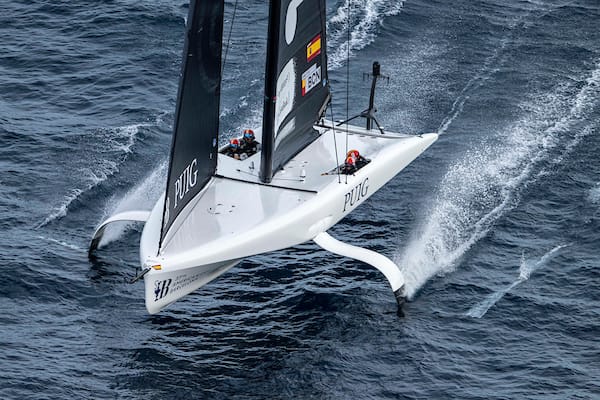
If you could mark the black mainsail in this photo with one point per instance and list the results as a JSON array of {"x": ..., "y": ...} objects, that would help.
[
  {"x": 195, "y": 129},
  {"x": 296, "y": 84}
]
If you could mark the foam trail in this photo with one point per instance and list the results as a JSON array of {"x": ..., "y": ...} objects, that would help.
[
  {"x": 480, "y": 309},
  {"x": 585, "y": 104},
  {"x": 473, "y": 84},
  {"x": 118, "y": 140},
  {"x": 124, "y": 137},
  {"x": 525, "y": 270},
  {"x": 64, "y": 244},
  {"x": 594, "y": 194},
  {"x": 366, "y": 16},
  {"x": 94, "y": 178},
  {"x": 457, "y": 108},
  {"x": 141, "y": 197},
  {"x": 491, "y": 65}
]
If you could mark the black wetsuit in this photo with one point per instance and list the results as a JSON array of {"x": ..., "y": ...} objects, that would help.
[
  {"x": 361, "y": 162},
  {"x": 233, "y": 151},
  {"x": 250, "y": 148},
  {"x": 348, "y": 169}
]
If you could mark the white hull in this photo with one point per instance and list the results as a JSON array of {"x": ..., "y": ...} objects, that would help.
[
  {"x": 165, "y": 288},
  {"x": 235, "y": 216}
]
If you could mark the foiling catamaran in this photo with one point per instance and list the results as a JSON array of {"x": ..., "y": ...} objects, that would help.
[{"x": 217, "y": 210}]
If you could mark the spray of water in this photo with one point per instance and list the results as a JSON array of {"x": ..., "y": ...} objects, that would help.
[
  {"x": 484, "y": 184},
  {"x": 526, "y": 268},
  {"x": 141, "y": 197}
]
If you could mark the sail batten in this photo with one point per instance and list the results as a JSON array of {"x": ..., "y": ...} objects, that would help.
[
  {"x": 296, "y": 83},
  {"x": 193, "y": 158}
]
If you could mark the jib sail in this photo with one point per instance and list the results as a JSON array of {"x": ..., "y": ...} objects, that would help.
[
  {"x": 296, "y": 84},
  {"x": 196, "y": 125}
]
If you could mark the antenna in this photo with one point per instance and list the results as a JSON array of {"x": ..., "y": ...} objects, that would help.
[{"x": 369, "y": 113}]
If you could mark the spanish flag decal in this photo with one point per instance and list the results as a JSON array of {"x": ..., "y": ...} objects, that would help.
[{"x": 313, "y": 49}]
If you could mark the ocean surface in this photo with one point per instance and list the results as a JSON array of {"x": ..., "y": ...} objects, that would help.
[{"x": 496, "y": 226}]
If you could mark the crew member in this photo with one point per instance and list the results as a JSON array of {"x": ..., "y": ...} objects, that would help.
[
  {"x": 359, "y": 161},
  {"x": 249, "y": 144},
  {"x": 349, "y": 166},
  {"x": 233, "y": 150}
]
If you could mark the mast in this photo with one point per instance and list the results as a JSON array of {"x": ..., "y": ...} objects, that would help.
[
  {"x": 376, "y": 73},
  {"x": 268, "y": 126}
]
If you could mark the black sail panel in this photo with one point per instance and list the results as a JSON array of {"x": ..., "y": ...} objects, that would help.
[
  {"x": 195, "y": 129},
  {"x": 301, "y": 87}
]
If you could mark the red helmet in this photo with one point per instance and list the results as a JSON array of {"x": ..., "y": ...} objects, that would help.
[
  {"x": 248, "y": 134},
  {"x": 234, "y": 142},
  {"x": 353, "y": 153},
  {"x": 350, "y": 160}
]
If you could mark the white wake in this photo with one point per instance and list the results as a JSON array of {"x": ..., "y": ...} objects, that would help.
[
  {"x": 492, "y": 63},
  {"x": 525, "y": 270},
  {"x": 63, "y": 244},
  {"x": 118, "y": 140},
  {"x": 365, "y": 18},
  {"x": 594, "y": 194}
]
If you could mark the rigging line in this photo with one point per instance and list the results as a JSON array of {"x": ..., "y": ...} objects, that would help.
[
  {"x": 337, "y": 161},
  {"x": 330, "y": 105},
  {"x": 229, "y": 178},
  {"x": 348, "y": 79},
  {"x": 229, "y": 36}
]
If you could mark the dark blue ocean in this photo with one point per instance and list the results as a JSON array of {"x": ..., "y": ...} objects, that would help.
[{"x": 497, "y": 225}]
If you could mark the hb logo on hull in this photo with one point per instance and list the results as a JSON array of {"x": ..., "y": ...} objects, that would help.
[{"x": 161, "y": 289}]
